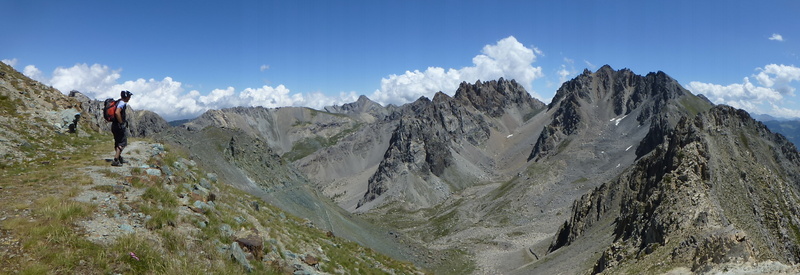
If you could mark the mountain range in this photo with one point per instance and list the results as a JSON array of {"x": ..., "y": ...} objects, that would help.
[{"x": 619, "y": 173}]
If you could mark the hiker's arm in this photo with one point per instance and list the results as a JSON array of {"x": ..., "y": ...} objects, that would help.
[{"x": 118, "y": 115}]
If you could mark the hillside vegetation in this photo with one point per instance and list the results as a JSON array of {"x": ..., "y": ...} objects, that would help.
[
  {"x": 64, "y": 209},
  {"x": 76, "y": 214}
]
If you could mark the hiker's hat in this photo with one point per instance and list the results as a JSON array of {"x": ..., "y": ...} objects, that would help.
[{"x": 125, "y": 94}]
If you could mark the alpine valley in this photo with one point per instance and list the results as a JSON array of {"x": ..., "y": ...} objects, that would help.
[{"x": 619, "y": 174}]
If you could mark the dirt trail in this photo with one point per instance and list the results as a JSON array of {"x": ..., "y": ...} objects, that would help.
[
  {"x": 111, "y": 190},
  {"x": 83, "y": 173}
]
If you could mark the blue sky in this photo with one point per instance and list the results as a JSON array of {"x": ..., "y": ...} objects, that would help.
[{"x": 181, "y": 58}]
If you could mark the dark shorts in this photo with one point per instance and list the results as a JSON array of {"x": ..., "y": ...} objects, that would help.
[{"x": 120, "y": 135}]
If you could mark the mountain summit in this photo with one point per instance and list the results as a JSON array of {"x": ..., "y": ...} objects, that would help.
[
  {"x": 591, "y": 100},
  {"x": 720, "y": 189},
  {"x": 435, "y": 149}
]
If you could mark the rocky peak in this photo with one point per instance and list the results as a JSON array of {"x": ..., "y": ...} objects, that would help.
[
  {"x": 718, "y": 189},
  {"x": 605, "y": 94},
  {"x": 428, "y": 130},
  {"x": 494, "y": 97},
  {"x": 362, "y": 105}
]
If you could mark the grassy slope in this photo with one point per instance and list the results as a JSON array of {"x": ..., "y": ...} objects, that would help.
[{"x": 39, "y": 216}]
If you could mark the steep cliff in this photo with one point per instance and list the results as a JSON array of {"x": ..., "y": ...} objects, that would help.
[
  {"x": 594, "y": 98},
  {"x": 721, "y": 188},
  {"x": 426, "y": 159}
]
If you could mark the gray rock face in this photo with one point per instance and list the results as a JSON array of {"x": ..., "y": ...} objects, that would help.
[
  {"x": 719, "y": 189},
  {"x": 621, "y": 93},
  {"x": 495, "y": 97},
  {"x": 428, "y": 131},
  {"x": 238, "y": 254},
  {"x": 145, "y": 123},
  {"x": 363, "y": 105}
]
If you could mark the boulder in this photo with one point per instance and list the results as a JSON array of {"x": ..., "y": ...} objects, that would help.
[
  {"x": 238, "y": 254},
  {"x": 202, "y": 194},
  {"x": 310, "y": 260},
  {"x": 251, "y": 242}
]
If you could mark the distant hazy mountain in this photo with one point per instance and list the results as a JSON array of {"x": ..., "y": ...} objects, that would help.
[{"x": 789, "y": 128}]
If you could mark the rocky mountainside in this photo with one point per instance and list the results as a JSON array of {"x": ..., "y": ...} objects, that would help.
[
  {"x": 436, "y": 148},
  {"x": 720, "y": 189},
  {"x": 489, "y": 163},
  {"x": 65, "y": 210},
  {"x": 608, "y": 95},
  {"x": 31, "y": 116}
]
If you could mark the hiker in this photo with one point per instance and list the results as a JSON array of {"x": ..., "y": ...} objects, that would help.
[{"x": 119, "y": 125}]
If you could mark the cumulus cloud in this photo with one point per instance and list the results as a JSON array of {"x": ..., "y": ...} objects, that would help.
[
  {"x": 768, "y": 97},
  {"x": 779, "y": 111},
  {"x": 33, "y": 72},
  {"x": 508, "y": 59},
  {"x": 95, "y": 80},
  {"x": 590, "y": 65},
  {"x": 776, "y": 37},
  {"x": 778, "y": 77},
  {"x": 567, "y": 70},
  {"x": 170, "y": 98},
  {"x": 10, "y": 62}
]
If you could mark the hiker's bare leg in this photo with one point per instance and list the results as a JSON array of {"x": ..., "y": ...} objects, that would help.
[{"x": 118, "y": 151}]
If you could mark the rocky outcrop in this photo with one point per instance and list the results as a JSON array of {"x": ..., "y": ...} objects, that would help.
[
  {"x": 428, "y": 130},
  {"x": 363, "y": 105},
  {"x": 606, "y": 93},
  {"x": 494, "y": 98},
  {"x": 145, "y": 123},
  {"x": 720, "y": 188},
  {"x": 31, "y": 116},
  {"x": 420, "y": 143}
]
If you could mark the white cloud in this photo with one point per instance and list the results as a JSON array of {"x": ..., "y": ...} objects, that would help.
[
  {"x": 10, "y": 62},
  {"x": 537, "y": 51},
  {"x": 779, "y": 111},
  {"x": 563, "y": 73},
  {"x": 94, "y": 81},
  {"x": 215, "y": 99},
  {"x": 169, "y": 98},
  {"x": 769, "y": 97},
  {"x": 33, "y": 72},
  {"x": 269, "y": 97},
  {"x": 778, "y": 77},
  {"x": 590, "y": 65},
  {"x": 508, "y": 59},
  {"x": 566, "y": 71},
  {"x": 776, "y": 37}
]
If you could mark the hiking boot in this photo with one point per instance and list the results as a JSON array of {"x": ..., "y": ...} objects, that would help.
[
  {"x": 121, "y": 160},
  {"x": 116, "y": 162}
]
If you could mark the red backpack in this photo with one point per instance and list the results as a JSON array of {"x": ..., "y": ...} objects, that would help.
[{"x": 110, "y": 109}]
